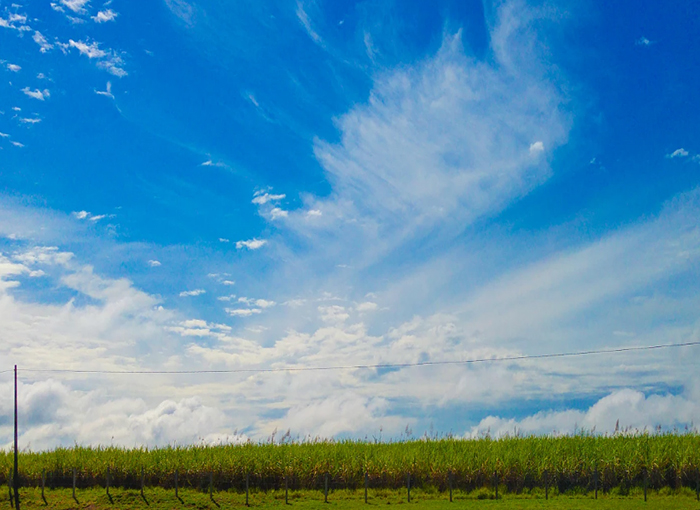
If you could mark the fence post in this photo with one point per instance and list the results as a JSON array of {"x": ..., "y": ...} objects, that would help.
[
  {"x": 142, "y": 482},
  {"x": 449, "y": 481},
  {"x": 176, "y": 494},
  {"x": 211, "y": 485},
  {"x": 247, "y": 480},
  {"x": 697, "y": 484},
  {"x": 546, "y": 484},
  {"x": 107, "y": 482},
  {"x": 74, "y": 485},
  {"x": 325, "y": 488},
  {"x": 408, "y": 486},
  {"x": 366, "y": 478},
  {"x": 595, "y": 480},
  {"x": 646, "y": 481},
  {"x": 10, "y": 485},
  {"x": 286, "y": 490},
  {"x": 43, "y": 484}
]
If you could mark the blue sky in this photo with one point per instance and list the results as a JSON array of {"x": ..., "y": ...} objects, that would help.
[{"x": 201, "y": 185}]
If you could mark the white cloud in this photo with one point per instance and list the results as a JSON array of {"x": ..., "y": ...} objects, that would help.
[
  {"x": 439, "y": 144},
  {"x": 15, "y": 21},
  {"x": 276, "y": 213},
  {"x": 4, "y": 135},
  {"x": 36, "y": 94},
  {"x": 252, "y": 99},
  {"x": 200, "y": 328},
  {"x": 17, "y": 144},
  {"x": 369, "y": 46},
  {"x": 107, "y": 92},
  {"x": 345, "y": 412},
  {"x": 107, "y": 60},
  {"x": 91, "y": 50},
  {"x": 367, "y": 306},
  {"x": 537, "y": 297},
  {"x": 313, "y": 213},
  {"x": 47, "y": 255},
  {"x": 305, "y": 21},
  {"x": 228, "y": 282},
  {"x": 678, "y": 153},
  {"x": 26, "y": 120},
  {"x": 242, "y": 312},
  {"x": 14, "y": 67},
  {"x": 195, "y": 323},
  {"x": 42, "y": 42},
  {"x": 536, "y": 148},
  {"x": 631, "y": 409},
  {"x": 333, "y": 314},
  {"x": 252, "y": 244},
  {"x": 104, "y": 16},
  {"x": 113, "y": 66},
  {"x": 87, "y": 334},
  {"x": 75, "y": 5},
  {"x": 103, "y": 332},
  {"x": 183, "y": 10},
  {"x": 63, "y": 333},
  {"x": 8, "y": 270},
  {"x": 56, "y": 414},
  {"x": 643, "y": 41},
  {"x": 261, "y": 198},
  {"x": 219, "y": 164},
  {"x": 85, "y": 215},
  {"x": 189, "y": 293},
  {"x": 154, "y": 263}
]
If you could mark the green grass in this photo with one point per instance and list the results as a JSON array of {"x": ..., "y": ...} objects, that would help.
[
  {"x": 671, "y": 460},
  {"x": 161, "y": 499}
]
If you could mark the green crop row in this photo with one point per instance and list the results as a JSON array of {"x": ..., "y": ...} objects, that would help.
[{"x": 565, "y": 463}]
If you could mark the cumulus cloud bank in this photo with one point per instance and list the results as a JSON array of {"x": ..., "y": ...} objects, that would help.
[
  {"x": 623, "y": 410},
  {"x": 53, "y": 413}
]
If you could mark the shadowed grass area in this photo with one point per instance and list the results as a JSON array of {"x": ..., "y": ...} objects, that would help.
[{"x": 161, "y": 499}]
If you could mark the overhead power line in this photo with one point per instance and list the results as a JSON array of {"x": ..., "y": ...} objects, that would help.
[{"x": 362, "y": 367}]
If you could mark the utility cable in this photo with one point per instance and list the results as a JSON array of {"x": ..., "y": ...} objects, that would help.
[{"x": 361, "y": 367}]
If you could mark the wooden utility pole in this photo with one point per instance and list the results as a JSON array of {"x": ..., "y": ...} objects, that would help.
[{"x": 15, "y": 477}]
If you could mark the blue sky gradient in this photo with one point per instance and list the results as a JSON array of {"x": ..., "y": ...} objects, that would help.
[{"x": 206, "y": 185}]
